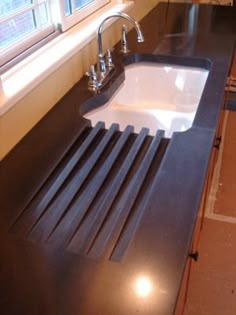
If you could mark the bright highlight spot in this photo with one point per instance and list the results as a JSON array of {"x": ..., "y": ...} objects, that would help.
[{"x": 143, "y": 286}]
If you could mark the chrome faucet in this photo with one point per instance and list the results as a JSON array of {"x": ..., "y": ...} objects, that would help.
[
  {"x": 99, "y": 78},
  {"x": 140, "y": 38}
]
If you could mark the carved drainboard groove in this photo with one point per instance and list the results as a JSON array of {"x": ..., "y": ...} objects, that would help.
[{"x": 94, "y": 200}]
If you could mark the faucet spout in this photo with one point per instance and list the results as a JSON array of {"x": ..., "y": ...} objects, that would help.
[
  {"x": 140, "y": 38},
  {"x": 105, "y": 68}
]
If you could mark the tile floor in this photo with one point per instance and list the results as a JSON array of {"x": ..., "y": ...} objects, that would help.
[{"x": 212, "y": 287}]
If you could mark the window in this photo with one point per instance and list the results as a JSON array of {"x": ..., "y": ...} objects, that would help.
[
  {"x": 22, "y": 24},
  {"x": 76, "y": 10},
  {"x": 25, "y": 22}
]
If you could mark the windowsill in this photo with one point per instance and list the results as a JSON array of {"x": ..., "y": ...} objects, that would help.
[{"x": 30, "y": 72}]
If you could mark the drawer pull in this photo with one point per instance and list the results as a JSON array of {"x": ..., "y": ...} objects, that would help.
[
  {"x": 194, "y": 256},
  {"x": 217, "y": 142}
]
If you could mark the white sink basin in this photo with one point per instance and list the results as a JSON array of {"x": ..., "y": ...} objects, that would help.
[{"x": 156, "y": 96}]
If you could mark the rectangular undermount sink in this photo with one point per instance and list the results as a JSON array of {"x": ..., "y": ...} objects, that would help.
[{"x": 154, "y": 95}]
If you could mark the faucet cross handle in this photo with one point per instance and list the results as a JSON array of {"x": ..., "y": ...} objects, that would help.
[{"x": 93, "y": 80}]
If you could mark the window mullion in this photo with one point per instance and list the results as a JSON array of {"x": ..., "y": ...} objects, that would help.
[{"x": 18, "y": 12}]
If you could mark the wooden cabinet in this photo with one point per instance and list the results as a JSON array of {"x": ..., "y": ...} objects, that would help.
[
  {"x": 183, "y": 293},
  {"x": 233, "y": 66},
  {"x": 193, "y": 253}
]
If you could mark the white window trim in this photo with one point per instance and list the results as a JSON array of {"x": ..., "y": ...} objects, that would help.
[
  {"x": 77, "y": 15},
  {"x": 30, "y": 72}
]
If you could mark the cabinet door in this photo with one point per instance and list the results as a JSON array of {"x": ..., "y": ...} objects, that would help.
[
  {"x": 193, "y": 253},
  {"x": 233, "y": 67},
  {"x": 179, "y": 309}
]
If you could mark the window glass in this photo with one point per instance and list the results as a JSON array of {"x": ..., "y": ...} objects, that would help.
[
  {"x": 17, "y": 27},
  {"x": 77, "y": 10},
  {"x": 20, "y": 19},
  {"x": 79, "y": 4},
  {"x": 8, "y": 6},
  {"x": 68, "y": 8}
]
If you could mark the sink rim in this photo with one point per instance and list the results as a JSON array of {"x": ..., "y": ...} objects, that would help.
[{"x": 98, "y": 100}]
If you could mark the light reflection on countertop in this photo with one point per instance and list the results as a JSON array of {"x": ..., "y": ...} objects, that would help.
[
  {"x": 147, "y": 291},
  {"x": 143, "y": 286}
]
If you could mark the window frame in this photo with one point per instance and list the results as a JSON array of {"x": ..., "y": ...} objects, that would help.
[
  {"x": 58, "y": 21},
  {"x": 67, "y": 21},
  {"x": 23, "y": 43}
]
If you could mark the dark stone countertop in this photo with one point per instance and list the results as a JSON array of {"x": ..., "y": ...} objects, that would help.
[{"x": 45, "y": 268}]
